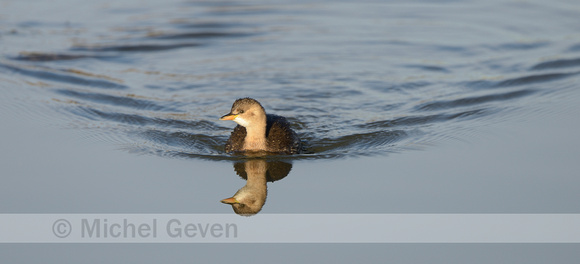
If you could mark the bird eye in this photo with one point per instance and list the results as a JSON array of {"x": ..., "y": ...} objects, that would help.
[{"x": 241, "y": 112}]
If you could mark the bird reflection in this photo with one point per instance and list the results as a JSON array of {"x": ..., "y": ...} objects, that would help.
[{"x": 250, "y": 199}]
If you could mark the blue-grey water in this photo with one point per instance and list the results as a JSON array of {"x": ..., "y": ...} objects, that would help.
[{"x": 405, "y": 107}]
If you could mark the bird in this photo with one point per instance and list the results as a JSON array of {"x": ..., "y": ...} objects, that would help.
[{"x": 259, "y": 132}]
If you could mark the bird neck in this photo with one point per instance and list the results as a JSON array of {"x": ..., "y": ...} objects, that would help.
[{"x": 255, "y": 137}]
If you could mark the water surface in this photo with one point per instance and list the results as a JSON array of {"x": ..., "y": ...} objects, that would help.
[{"x": 354, "y": 79}]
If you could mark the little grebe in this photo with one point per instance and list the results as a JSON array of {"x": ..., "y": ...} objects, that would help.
[{"x": 258, "y": 131}]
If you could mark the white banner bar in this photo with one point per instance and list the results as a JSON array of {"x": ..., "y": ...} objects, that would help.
[{"x": 290, "y": 228}]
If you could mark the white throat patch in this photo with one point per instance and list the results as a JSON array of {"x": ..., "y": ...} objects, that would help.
[{"x": 241, "y": 121}]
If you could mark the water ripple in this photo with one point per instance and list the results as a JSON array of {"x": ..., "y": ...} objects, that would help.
[
  {"x": 141, "y": 120},
  {"x": 43, "y": 57},
  {"x": 421, "y": 120},
  {"x": 134, "y": 48},
  {"x": 69, "y": 76},
  {"x": 556, "y": 64},
  {"x": 471, "y": 101},
  {"x": 127, "y": 100},
  {"x": 533, "y": 79},
  {"x": 197, "y": 35},
  {"x": 520, "y": 80},
  {"x": 197, "y": 143}
]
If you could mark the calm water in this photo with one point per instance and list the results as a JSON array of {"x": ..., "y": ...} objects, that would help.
[{"x": 364, "y": 84}]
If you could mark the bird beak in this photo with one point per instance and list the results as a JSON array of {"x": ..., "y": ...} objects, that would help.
[
  {"x": 230, "y": 200},
  {"x": 229, "y": 116}
]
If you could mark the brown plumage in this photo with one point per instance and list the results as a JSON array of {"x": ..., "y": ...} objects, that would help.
[{"x": 258, "y": 131}]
